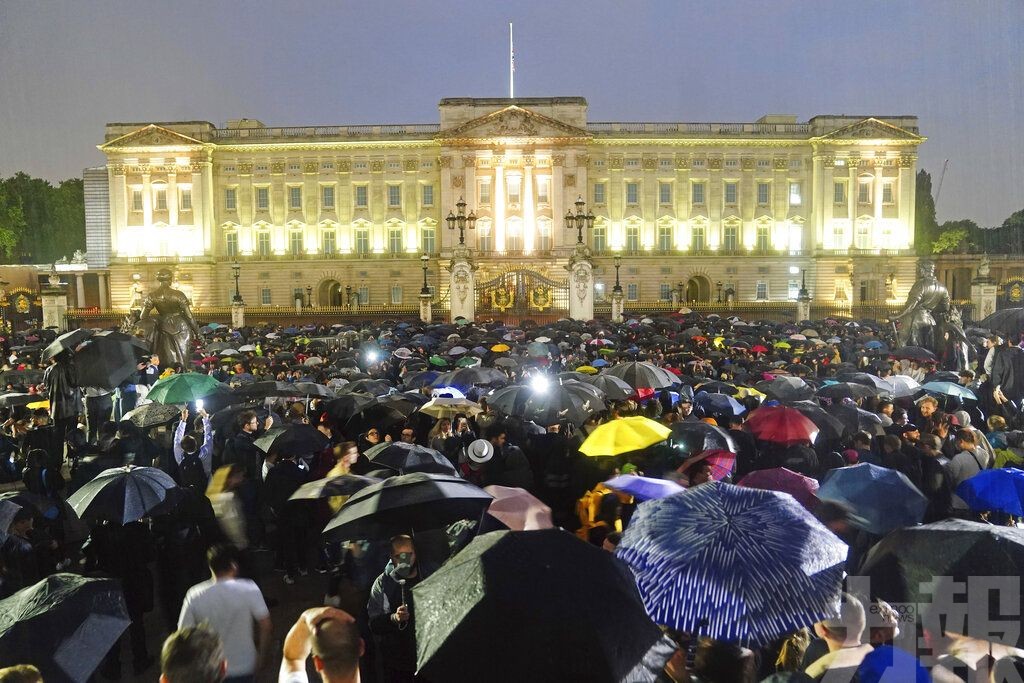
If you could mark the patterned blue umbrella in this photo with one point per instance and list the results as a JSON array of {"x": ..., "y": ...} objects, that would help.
[
  {"x": 882, "y": 499},
  {"x": 734, "y": 564}
]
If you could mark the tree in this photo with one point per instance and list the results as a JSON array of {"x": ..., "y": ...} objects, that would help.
[
  {"x": 956, "y": 236},
  {"x": 1013, "y": 232},
  {"x": 12, "y": 223},
  {"x": 51, "y": 222},
  {"x": 926, "y": 227}
]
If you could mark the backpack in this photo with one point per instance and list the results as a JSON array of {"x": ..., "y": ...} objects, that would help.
[{"x": 191, "y": 472}]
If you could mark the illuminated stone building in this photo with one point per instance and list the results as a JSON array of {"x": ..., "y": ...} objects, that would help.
[{"x": 701, "y": 210}]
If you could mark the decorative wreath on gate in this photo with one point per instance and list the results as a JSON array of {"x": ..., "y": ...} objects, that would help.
[
  {"x": 540, "y": 297},
  {"x": 502, "y": 299}
]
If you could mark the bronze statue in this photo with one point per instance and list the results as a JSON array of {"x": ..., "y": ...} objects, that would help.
[
  {"x": 174, "y": 328},
  {"x": 928, "y": 319}
]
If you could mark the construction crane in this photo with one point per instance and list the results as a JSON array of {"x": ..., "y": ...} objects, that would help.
[{"x": 942, "y": 177}]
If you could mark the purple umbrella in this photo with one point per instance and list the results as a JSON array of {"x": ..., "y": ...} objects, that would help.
[
  {"x": 644, "y": 488},
  {"x": 787, "y": 481}
]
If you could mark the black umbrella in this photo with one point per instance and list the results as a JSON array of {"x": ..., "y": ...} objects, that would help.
[
  {"x": 829, "y": 427},
  {"x": 883, "y": 386},
  {"x": 374, "y": 387},
  {"x": 124, "y": 494},
  {"x": 379, "y": 413},
  {"x": 565, "y": 610},
  {"x": 786, "y": 389},
  {"x": 410, "y": 502},
  {"x": 12, "y": 400},
  {"x": 295, "y": 439},
  {"x": 343, "y": 485},
  {"x": 104, "y": 361},
  {"x": 642, "y": 375},
  {"x": 903, "y": 564},
  {"x": 855, "y": 419},
  {"x": 571, "y": 402},
  {"x": 258, "y": 390},
  {"x": 509, "y": 400},
  {"x": 64, "y": 625},
  {"x": 1007, "y": 321},
  {"x": 66, "y": 341},
  {"x": 465, "y": 379},
  {"x": 407, "y": 457},
  {"x": 347, "y": 405},
  {"x": 694, "y": 437},
  {"x": 837, "y": 392},
  {"x": 24, "y": 377},
  {"x": 614, "y": 388},
  {"x": 314, "y": 390},
  {"x": 915, "y": 353},
  {"x": 152, "y": 414},
  {"x": 224, "y": 421}
]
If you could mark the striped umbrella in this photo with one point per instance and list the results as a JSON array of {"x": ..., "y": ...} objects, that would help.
[{"x": 735, "y": 564}]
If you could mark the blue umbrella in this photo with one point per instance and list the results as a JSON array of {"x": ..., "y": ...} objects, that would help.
[
  {"x": 734, "y": 564},
  {"x": 949, "y": 389},
  {"x": 644, "y": 488},
  {"x": 599, "y": 363},
  {"x": 997, "y": 490},
  {"x": 882, "y": 499},
  {"x": 874, "y": 344},
  {"x": 712, "y": 403}
]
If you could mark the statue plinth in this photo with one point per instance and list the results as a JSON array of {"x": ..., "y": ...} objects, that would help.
[
  {"x": 581, "y": 283},
  {"x": 462, "y": 284},
  {"x": 426, "y": 307},
  {"x": 617, "y": 307}
]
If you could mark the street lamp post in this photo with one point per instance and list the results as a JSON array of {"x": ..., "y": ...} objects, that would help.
[
  {"x": 425, "y": 260},
  {"x": 3, "y": 305},
  {"x": 348, "y": 296},
  {"x": 580, "y": 221},
  {"x": 236, "y": 272},
  {"x": 461, "y": 220},
  {"x": 309, "y": 296},
  {"x": 617, "y": 289},
  {"x": 718, "y": 286},
  {"x": 681, "y": 292}
]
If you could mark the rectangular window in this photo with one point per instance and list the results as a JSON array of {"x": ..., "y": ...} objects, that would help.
[
  {"x": 265, "y": 298},
  {"x": 730, "y": 193},
  {"x": 761, "y": 291},
  {"x": 730, "y": 238},
  {"x": 361, "y": 198},
  {"x": 864, "y": 192},
  {"x": 136, "y": 200},
  {"x": 231, "y": 244},
  {"x": 764, "y": 163},
  {"x": 428, "y": 240},
  {"x": 185, "y": 201},
  {"x": 698, "y": 193},
  {"x": 793, "y": 289},
  {"x": 161, "y": 200},
  {"x": 330, "y": 242},
  {"x": 485, "y": 191},
  {"x": 543, "y": 191},
  {"x": 364, "y": 295},
  {"x": 295, "y": 242},
  {"x": 599, "y": 239},
  {"x": 599, "y": 291},
  {"x": 394, "y": 196},
  {"x": 761, "y": 238},
  {"x": 428, "y": 195},
  {"x": 362, "y": 241},
  {"x": 699, "y": 234},
  {"x": 514, "y": 185},
  {"x": 699, "y": 163},
  {"x": 262, "y": 198},
  {"x": 664, "y": 237},
  {"x": 263, "y": 243},
  {"x": 665, "y": 292},
  {"x": 395, "y": 240},
  {"x": 396, "y": 294},
  {"x": 632, "y": 163},
  {"x": 327, "y": 197},
  {"x": 795, "y": 197},
  {"x": 763, "y": 193},
  {"x": 632, "y": 193},
  {"x": 633, "y": 238},
  {"x": 599, "y": 193},
  {"x": 299, "y": 295},
  {"x": 230, "y": 199},
  {"x": 632, "y": 292},
  {"x": 887, "y": 193},
  {"x": 295, "y": 198},
  {"x": 664, "y": 193},
  {"x": 839, "y": 193}
]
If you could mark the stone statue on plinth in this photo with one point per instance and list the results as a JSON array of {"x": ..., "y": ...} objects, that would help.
[
  {"x": 173, "y": 327},
  {"x": 929, "y": 319}
]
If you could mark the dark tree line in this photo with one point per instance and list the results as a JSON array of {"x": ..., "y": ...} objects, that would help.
[
  {"x": 964, "y": 235},
  {"x": 40, "y": 222}
]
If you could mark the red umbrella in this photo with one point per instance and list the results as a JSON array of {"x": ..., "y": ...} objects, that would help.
[
  {"x": 787, "y": 481},
  {"x": 781, "y": 424},
  {"x": 759, "y": 348},
  {"x": 721, "y": 462}
]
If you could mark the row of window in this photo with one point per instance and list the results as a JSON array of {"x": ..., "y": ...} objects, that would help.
[
  {"x": 362, "y": 292},
  {"x": 698, "y": 238},
  {"x": 160, "y": 199},
  {"x": 360, "y": 197},
  {"x": 632, "y": 290},
  {"x": 698, "y": 193},
  {"x": 329, "y": 242}
]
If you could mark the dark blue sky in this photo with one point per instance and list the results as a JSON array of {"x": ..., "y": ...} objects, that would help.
[{"x": 66, "y": 68}]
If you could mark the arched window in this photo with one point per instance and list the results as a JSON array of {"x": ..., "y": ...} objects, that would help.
[
  {"x": 862, "y": 236},
  {"x": 514, "y": 235},
  {"x": 329, "y": 239},
  {"x": 599, "y": 235},
  {"x": 543, "y": 234},
  {"x": 361, "y": 238},
  {"x": 485, "y": 235}
]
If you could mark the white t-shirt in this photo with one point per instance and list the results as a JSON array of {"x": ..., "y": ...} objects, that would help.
[{"x": 230, "y": 607}]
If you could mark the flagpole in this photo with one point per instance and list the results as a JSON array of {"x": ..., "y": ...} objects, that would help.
[{"x": 511, "y": 64}]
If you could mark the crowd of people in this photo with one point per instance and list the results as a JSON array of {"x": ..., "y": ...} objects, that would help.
[{"x": 204, "y": 566}]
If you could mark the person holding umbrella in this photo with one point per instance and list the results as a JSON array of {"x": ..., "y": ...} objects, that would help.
[
  {"x": 294, "y": 520},
  {"x": 392, "y": 614},
  {"x": 193, "y": 460}
]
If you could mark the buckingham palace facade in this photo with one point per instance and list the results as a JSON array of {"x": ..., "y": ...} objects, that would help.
[{"x": 693, "y": 210}]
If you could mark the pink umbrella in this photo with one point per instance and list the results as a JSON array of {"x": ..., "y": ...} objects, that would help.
[
  {"x": 802, "y": 488},
  {"x": 517, "y": 509}
]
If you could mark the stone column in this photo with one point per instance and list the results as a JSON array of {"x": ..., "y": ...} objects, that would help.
[
  {"x": 55, "y": 303},
  {"x": 617, "y": 306},
  {"x": 101, "y": 281},
  {"x": 237, "y": 314},
  {"x": 462, "y": 291},
  {"x": 147, "y": 201},
  {"x": 426, "y": 307},
  {"x": 79, "y": 290},
  {"x": 529, "y": 220},
  {"x": 172, "y": 199},
  {"x": 498, "y": 202},
  {"x": 581, "y": 284},
  {"x": 983, "y": 292},
  {"x": 853, "y": 164}
]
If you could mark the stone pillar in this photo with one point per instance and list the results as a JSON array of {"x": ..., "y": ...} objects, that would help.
[
  {"x": 55, "y": 304},
  {"x": 462, "y": 288},
  {"x": 983, "y": 292},
  {"x": 79, "y": 290},
  {"x": 237, "y": 314},
  {"x": 617, "y": 306},
  {"x": 581, "y": 284},
  {"x": 426, "y": 307},
  {"x": 498, "y": 204},
  {"x": 803, "y": 300},
  {"x": 101, "y": 281},
  {"x": 299, "y": 302},
  {"x": 529, "y": 220}
]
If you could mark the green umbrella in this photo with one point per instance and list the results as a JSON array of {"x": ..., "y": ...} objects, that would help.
[
  {"x": 438, "y": 361},
  {"x": 184, "y": 388}
]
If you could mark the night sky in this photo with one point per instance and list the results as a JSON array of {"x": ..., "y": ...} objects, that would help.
[{"x": 67, "y": 68}]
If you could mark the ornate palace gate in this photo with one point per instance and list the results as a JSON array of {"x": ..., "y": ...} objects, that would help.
[{"x": 522, "y": 292}]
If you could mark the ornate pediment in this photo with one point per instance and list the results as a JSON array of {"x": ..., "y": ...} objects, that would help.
[
  {"x": 151, "y": 136},
  {"x": 513, "y": 122},
  {"x": 871, "y": 129}
]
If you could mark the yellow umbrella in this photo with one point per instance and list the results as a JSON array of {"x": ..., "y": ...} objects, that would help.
[
  {"x": 587, "y": 370},
  {"x": 718, "y": 342},
  {"x": 38, "y": 404},
  {"x": 623, "y": 436},
  {"x": 782, "y": 345},
  {"x": 501, "y": 348},
  {"x": 743, "y": 392}
]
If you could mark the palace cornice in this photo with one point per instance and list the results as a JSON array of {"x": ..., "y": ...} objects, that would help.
[
  {"x": 512, "y": 142},
  {"x": 860, "y": 142},
  {"x": 699, "y": 142},
  {"x": 335, "y": 144},
  {"x": 161, "y": 149}
]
